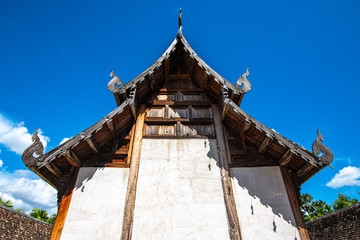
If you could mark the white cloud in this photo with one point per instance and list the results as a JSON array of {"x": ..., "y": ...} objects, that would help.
[
  {"x": 348, "y": 176},
  {"x": 27, "y": 191},
  {"x": 16, "y": 137},
  {"x": 1, "y": 163},
  {"x": 64, "y": 140}
]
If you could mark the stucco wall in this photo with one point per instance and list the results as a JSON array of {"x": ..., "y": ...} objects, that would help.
[
  {"x": 179, "y": 193},
  {"x": 262, "y": 204},
  {"x": 97, "y": 204}
]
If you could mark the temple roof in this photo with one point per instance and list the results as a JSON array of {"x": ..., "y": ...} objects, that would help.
[{"x": 181, "y": 60}]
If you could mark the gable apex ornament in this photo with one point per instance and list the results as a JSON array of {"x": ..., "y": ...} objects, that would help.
[
  {"x": 318, "y": 147},
  {"x": 180, "y": 19},
  {"x": 36, "y": 147},
  {"x": 115, "y": 83},
  {"x": 243, "y": 83}
]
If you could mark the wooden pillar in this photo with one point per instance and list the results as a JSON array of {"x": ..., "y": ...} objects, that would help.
[
  {"x": 133, "y": 175},
  {"x": 64, "y": 206},
  {"x": 232, "y": 217},
  {"x": 295, "y": 206}
]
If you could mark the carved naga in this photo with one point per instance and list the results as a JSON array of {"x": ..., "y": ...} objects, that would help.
[
  {"x": 243, "y": 82},
  {"x": 36, "y": 147},
  {"x": 317, "y": 147},
  {"x": 115, "y": 83}
]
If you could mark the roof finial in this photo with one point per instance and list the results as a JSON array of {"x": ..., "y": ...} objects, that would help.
[{"x": 180, "y": 19}]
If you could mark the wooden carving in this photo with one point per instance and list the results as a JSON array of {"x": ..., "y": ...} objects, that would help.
[
  {"x": 243, "y": 82},
  {"x": 317, "y": 147},
  {"x": 37, "y": 148},
  {"x": 115, "y": 83}
]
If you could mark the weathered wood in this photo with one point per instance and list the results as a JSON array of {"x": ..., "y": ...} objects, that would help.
[
  {"x": 265, "y": 144},
  {"x": 304, "y": 169},
  {"x": 110, "y": 125},
  {"x": 72, "y": 158},
  {"x": 52, "y": 168},
  {"x": 92, "y": 144},
  {"x": 179, "y": 76},
  {"x": 285, "y": 159},
  {"x": 131, "y": 144},
  {"x": 64, "y": 206},
  {"x": 233, "y": 221},
  {"x": 133, "y": 175},
  {"x": 295, "y": 206},
  {"x": 206, "y": 79}
]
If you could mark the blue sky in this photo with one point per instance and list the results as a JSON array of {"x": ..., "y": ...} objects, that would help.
[{"x": 55, "y": 61}]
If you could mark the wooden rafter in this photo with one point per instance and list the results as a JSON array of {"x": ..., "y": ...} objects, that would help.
[
  {"x": 92, "y": 144},
  {"x": 52, "y": 168},
  {"x": 72, "y": 158},
  {"x": 285, "y": 159},
  {"x": 265, "y": 144}
]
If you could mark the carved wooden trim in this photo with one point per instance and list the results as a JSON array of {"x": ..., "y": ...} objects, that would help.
[
  {"x": 133, "y": 175},
  {"x": 233, "y": 221},
  {"x": 64, "y": 206},
  {"x": 295, "y": 206},
  {"x": 110, "y": 125}
]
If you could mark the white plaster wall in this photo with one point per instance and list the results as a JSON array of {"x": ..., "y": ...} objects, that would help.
[
  {"x": 262, "y": 204},
  {"x": 179, "y": 192},
  {"x": 97, "y": 204}
]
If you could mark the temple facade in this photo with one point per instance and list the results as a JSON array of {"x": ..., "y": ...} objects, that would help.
[{"x": 178, "y": 159}]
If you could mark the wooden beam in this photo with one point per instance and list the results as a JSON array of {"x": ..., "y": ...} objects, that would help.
[
  {"x": 265, "y": 144},
  {"x": 93, "y": 145},
  {"x": 232, "y": 217},
  {"x": 64, "y": 206},
  {"x": 133, "y": 176},
  {"x": 131, "y": 144},
  {"x": 151, "y": 80},
  {"x": 72, "y": 158},
  {"x": 245, "y": 128},
  {"x": 110, "y": 125},
  {"x": 206, "y": 79},
  {"x": 167, "y": 70},
  {"x": 304, "y": 169},
  {"x": 295, "y": 206},
  {"x": 285, "y": 159},
  {"x": 52, "y": 168}
]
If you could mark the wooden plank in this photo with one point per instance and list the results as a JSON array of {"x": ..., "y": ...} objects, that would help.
[
  {"x": 265, "y": 144},
  {"x": 92, "y": 144},
  {"x": 206, "y": 79},
  {"x": 133, "y": 175},
  {"x": 179, "y": 76},
  {"x": 285, "y": 159},
  {"x": 233, "y": 221},
  {"x": 64, "y": 206},
  {"x": 295, "y": 206},
  {"x": 110, "y": 125},
  {"x": 304, "y": 169},
  {"x": 185, "y": 103}
]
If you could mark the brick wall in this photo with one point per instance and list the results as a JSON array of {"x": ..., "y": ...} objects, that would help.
[
  {"x": 15, "y": 225},
  {"x": 340, "y": 225}
]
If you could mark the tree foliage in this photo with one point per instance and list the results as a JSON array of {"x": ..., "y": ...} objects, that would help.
[
  {"x": 36, "y": 212},
  {"x": 313, "y": 209}
]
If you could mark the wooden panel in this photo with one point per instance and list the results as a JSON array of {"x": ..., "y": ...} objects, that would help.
[
  {"x": 192, "y": 97},
  {"x": 155, "y": 112},
  {"x": 165, "y": 97},
  {"x": 201, "y": 113},
  {"x": 178, "y": 112}
]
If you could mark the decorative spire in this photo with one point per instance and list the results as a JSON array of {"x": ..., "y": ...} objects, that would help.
[
  {"x": 243, "y": 83},
  {"x": 180, "y": 20},
  {"x": 317, "y": 147},
  {"x": 36, "y": 147},
  {"x": 115, "y": 83}
]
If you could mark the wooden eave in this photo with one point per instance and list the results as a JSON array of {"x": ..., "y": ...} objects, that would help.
[
  {"x": 211, "y": 81},
  {"x": 301, "y": 163},
  {"x": 78, "y": 147}
]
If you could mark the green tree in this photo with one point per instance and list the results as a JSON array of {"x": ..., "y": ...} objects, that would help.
[
  {"x": 52, "y": 218},
  {"x": 39, "y": 214},
  {"x": 313, "y": 209},
  {"x": 20, "y": 210},
  {"x": 344, "y": 201},
  {"x": 6, "y": 203}
]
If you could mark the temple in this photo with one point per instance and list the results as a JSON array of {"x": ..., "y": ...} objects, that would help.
[{"x": 178, "y": 159}]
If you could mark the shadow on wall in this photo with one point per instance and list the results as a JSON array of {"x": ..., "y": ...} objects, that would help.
[{"x": 261, "y": 192}]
